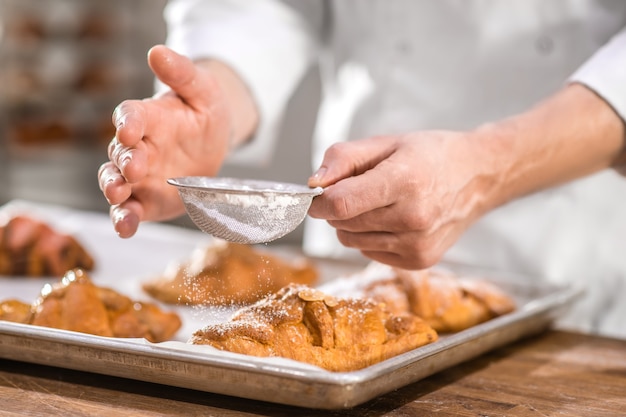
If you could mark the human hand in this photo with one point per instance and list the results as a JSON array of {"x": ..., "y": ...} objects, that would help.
[
  {"x": 403, "y": 200},
  {"x": 184, "y": 131}
]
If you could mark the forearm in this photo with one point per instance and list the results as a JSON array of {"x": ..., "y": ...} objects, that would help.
[
  {"x": 572, "y": 134},
  {"x": 240, "y": 102}
]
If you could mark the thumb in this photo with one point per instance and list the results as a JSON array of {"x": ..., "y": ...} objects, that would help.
[
  {"x": 347, "y": 159},
  {"x": 181, "y": 75}
]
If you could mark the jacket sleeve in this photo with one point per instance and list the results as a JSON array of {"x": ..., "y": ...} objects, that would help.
[
  {"x": 605, "y": 74},
  {"x": 269, "y": 44}
]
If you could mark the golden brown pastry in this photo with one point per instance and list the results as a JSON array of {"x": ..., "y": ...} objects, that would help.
[
  {"x": 228, "y": 273},
  {"x": 300, "y": 323},
  {"x": 449, "y": 303},
  {"x": 29, "y": 247},
  {"x": 76, "y": 304},
  {"x": 15, "y": 311}
]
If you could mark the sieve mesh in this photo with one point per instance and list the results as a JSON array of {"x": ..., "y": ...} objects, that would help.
[{"x": 244, "y": 211}]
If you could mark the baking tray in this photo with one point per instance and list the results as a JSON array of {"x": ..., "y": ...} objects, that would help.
[{"x": 123, "y": 264}]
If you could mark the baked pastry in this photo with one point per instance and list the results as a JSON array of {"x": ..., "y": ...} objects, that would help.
[
  {"x": 16, "y": 311},
  {"x": 30, "y": 247},
  {"x": 228, "y": 273},
  {"x": 449, "y": 303},
  {"x": 307, "y": 325},
  {"x": 76, "y": 304}
]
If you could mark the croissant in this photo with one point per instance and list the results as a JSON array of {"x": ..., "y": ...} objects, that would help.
[
  {"x": 449, "y": 303},
  {"x": 76, "y": 304},
  {"x": 228, "y": 273},
  {"x": 29, "y": 247},
  {"x": 307, "y": 325}
]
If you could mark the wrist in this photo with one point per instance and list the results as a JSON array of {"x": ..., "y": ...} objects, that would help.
[{"x": 490, "y": 148}]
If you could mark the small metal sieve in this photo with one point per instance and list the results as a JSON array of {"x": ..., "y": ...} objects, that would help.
[{"x": 242, "y": 210}]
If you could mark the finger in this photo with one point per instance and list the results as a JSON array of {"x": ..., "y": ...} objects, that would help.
[
  {"x": 390, "y": 248},
  {"x": 131, "y": 162},
  {"x": 126, "y": 217},
  {"x": 112, "y": 183},
  {"x": 346, "y": 159},
  {"x": 376, "y": 220},
  {"x": 129, "y": 119},
  {"x": 394, "y": 259},
  {"x": 382, "y": 247},
  {"x": 181, "y": 75},
  {"x": 354, "y": 196}
]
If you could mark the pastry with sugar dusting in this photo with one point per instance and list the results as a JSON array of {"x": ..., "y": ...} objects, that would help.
[
  {"x": 447, "y": 301},
  {"x": 225, "y": 273},
  {"x": 308, "y": 325}
]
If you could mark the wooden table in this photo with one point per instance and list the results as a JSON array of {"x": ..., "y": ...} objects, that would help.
[{"x": 555, "y": 373}]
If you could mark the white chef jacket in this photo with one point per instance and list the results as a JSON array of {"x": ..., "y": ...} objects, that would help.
[{"x": 391, "y": 66}]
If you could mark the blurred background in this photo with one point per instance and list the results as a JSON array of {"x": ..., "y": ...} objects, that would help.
[{"x": 64, "y": 66}]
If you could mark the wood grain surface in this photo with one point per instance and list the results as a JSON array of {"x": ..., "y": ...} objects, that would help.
[{"x": 552, "y": 374}]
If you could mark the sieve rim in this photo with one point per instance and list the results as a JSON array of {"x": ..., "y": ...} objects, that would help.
[{"x": 228, "y": 184}]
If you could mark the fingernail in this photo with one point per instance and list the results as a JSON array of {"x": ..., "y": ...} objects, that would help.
[
  {"x": 125, "y": 161},
  {"x": 119, "y": 214},
  {"x": 319, "y": 174},
  {"x": 120, "y": 122},
  {"x": 106, "y": 181}
]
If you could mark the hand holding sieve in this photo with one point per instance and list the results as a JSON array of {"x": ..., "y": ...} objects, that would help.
[{"x": 242, "y": 210}]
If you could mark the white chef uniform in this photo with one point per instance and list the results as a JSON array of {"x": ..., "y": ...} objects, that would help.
[{"x": 391, "y": 66}]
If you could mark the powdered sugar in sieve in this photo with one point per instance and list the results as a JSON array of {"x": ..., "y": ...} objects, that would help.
[{"x": 244, "y": 211}]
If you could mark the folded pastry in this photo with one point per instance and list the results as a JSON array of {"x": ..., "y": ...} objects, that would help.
[
  {"x": 30, "y": 247},
  {"x": 228, "y": 273},
  {"x": 300, "y": 323},
  {"x": 449, "y": 303},
  {"x": 76, "y": 304}
]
